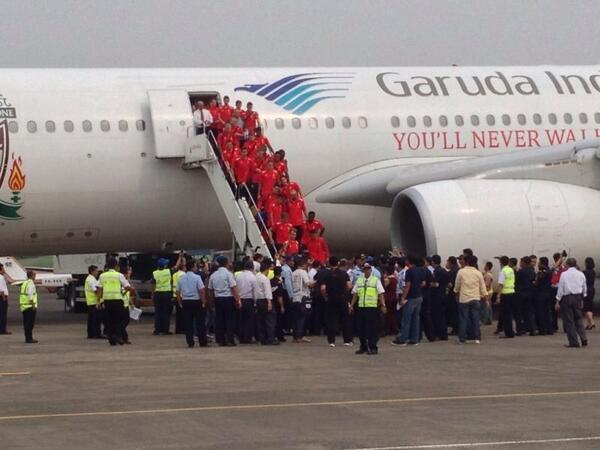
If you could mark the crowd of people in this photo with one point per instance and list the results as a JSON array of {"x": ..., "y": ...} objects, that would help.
[
  {"x": 261, "y": 175},
  {"x": 257, "y": 300}
]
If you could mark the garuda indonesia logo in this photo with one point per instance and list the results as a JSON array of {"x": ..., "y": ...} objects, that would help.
[
  {"x": 16, "y": 180},
  {"x": 299, "y": 93}
]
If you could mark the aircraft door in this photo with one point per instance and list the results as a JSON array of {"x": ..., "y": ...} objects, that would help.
[{"x": 171, "y": 114}]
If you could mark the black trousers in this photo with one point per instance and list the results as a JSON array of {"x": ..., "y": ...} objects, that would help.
[
  {"x": 265, "y": 323},
  {"x": 113, "y": 316},
  {"x": 510, "y": 310},
  {"x": 369, "y": 324},
  {"x": 28, "y": 323},
  {"x": 224, "y": 320},
  {"x": 544, "y": 304},
  {"x": 528, "y": 310},
  {"x": 438, "y": 315},
  {"x": 452, "y": 311},
  {"x": 3, "y": 314},
  {"x": 162, "y": 311},
  {"x": 94, "y": 322},
  {"x": 572, "y": 315},
  {"x": 336, "y": 314},
  {"x": 247, "y": 325},
  {"x": 299, "y": 314},
  {"x": 194, "y": 319},
  {"x": 427, "y": 316},
  {"x": 179, "y": 324},
  {"x": 316, "y": 317},
  {"x": 125, "y": 319}
]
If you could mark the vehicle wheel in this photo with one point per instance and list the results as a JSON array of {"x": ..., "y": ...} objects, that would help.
[{"x": 70, "y": 294}]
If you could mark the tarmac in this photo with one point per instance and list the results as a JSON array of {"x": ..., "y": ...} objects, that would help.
[{"x": 68, "y": 392}]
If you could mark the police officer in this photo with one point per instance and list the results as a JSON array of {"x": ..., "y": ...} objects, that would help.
[
  {"x": 93, "y": 305},
  {"x": 178, "y": 272},
  {"x": 506, "y": 297},
  {"x": 191, "y": 297},
  {"x": 28, "y": 303},
  {"x": 127, "y": 302},
  {"x": 368, "y": 292},
  {"x": 222, "y": 287},
  {"x": 163, "y": 293},
  {"x": 110, "y": 290}
]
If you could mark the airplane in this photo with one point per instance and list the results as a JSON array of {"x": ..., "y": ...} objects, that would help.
[{"x": 504, "y": 160}]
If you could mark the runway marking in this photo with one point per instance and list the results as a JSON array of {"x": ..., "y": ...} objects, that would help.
[
  {"x": 302, "y": 405},
  {"x": 12, "y": 374},
  {"x": 484, "y": 444}
]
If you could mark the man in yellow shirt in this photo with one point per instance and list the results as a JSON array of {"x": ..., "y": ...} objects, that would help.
[{"x": 470, "y": 288}]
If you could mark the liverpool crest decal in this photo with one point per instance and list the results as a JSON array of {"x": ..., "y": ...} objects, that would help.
[{"x": 12, "y": 179}]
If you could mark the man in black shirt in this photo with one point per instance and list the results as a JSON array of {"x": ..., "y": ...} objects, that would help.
[
  {"x": 451, "y": 303},
  {"x": 411, "y": 301},
  {"x": 335, "y": 288},
  {"x": 524, "y": 285},
  {"x": 544, "y": 300},
  {"x": 438, "y": 298}
]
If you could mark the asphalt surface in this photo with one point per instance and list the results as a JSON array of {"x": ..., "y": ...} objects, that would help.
[{"x": 68, "y": 392}]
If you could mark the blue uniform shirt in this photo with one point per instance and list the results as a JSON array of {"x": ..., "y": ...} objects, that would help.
[
  {"x": 221, "y": 282},
  {"x": 188, "y": 286}
]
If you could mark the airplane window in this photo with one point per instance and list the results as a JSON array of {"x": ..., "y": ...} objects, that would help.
[
  {"x": 13, "y": 126},
  {"x": 86, "y": 125},
  {"x": 521, "y": 119},
  {"x": 537, "y": 119},
  {"x": 395, "y": 121},
  {"x": 346, "y": 122},
  {"x": 475, "y": 120},
  {"x": 50, "y": 126},
  {"x": 443, "y": 121},
  {"x": 583, "y": 118},
  {"x": 427, "y": 121},
  {"x": 411, "y": 121},
  {"x": 313, "y": 123},
  {"x": 140, "y": 125},
  {"x": 597, "y": 117},
  {"x": 296, "y": 124},
  {"x": 552, "y": 118},
  {"x": 329, "y": 122},
  {"x": 505, "y": 119},
  {"x": 68, "y": 126},
  {"x": 105, "y": 125},
  {"x": 362, "y": 122},
  {"x": 491, "y": 120},
  {"x": 264, "y": 123},
  {"x": 279, "y": 123},
  {"x": 568, "y": 118},
  {"x": 123, "y": 125},
  {"x": 31, "y": 126},
  {"x": 459, "y": 121}
]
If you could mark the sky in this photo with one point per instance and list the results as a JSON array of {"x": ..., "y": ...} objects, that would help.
[{"x": 246, "y": 33}]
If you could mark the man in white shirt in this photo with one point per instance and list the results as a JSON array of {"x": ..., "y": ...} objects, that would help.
[
  {"x": 4, "y": 278},
  {"x": 301, "y": 303},
  {"x": 246, "y": 284},
  {"x": 571, "y": 290},
  {"x": 202, "y": 118},
  {"x": 264, "y": 306}
]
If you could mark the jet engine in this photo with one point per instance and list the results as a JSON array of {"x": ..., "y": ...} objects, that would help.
[{"x": 497, "y": 217}]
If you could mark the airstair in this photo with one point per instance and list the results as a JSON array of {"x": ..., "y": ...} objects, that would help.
[{"x": 247, "y": 226}]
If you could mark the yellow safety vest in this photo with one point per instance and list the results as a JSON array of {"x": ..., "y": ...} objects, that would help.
[
  {"x": 367, "y": 291},
  {"x": 91, "y": 298},
  {"x": 176, "y": 276},
  {"x": 126, "y": 297},
  {"x": 24, "y": 302},
  {"x": 111, "y": 285},
  {"x": 163, "y": 280},
  {"x": 508, "y": 287}
]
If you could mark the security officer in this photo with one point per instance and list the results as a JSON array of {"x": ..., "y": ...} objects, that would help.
[
  {"x": 163, "y": 294},
  {"x": 178, "y": 272},
  {"x": 506, "y": 297},
  {"x": 28, "y": 304},
  {"x": 222, "y": 288},
  {"x": 368, "y": 292},
  {"x": 93, "y": 305},
  {"x": 127, "y": 302},
  {"x": 110, "y": 290}
]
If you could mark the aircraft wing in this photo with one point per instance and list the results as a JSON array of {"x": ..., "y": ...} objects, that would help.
[{"x": 378, "y": 184}]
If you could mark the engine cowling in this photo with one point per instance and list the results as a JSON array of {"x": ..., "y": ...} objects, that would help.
[{"x": 497, "y": 217}]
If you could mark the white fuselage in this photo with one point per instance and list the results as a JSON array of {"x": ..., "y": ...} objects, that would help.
[{"x": 104, "y": 190}]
